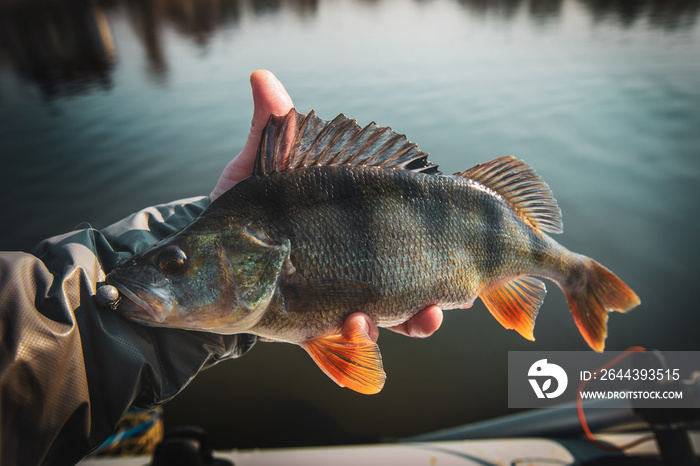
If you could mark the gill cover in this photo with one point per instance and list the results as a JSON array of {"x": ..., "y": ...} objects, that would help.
[{"x": 255, "y": 263}]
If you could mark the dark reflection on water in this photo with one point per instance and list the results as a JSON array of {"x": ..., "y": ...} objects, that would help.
[
  {"x": 147, "y": 28},
  {"x": 108, "y": 106},
  {"x": 66, "y": 47},
  {"x": 670, "y": 15},
  {"x": 544, "y": 10},
  {"x": 197, "y": 20},
  {"x": 500, "y": 8}
]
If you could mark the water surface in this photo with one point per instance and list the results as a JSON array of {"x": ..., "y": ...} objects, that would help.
[{"x": 110, "y": 106}]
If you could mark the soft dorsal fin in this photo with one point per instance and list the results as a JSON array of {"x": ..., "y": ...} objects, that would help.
[
  {"x": 518, "y": 183},
  {"x": 295, "y": 141}
]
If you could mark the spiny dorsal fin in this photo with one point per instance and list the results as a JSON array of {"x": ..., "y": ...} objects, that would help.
[
  {"x": 514, "y": 304},
  {"x": 518, "y": 183},
  {"x": 295, "y": 141}
]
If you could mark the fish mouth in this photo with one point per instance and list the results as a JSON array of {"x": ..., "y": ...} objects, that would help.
[{"x": 128, "y": 288}]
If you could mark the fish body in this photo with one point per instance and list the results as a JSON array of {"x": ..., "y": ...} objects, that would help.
[
  {"x": 388, "y": 243},
  {"x": 336, "y": 219}
]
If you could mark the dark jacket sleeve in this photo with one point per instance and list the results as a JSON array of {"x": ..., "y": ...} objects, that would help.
[{"x": 70, "y": 369}]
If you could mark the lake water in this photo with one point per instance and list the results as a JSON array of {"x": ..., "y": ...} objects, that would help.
[{"x": 109, "y": 106}]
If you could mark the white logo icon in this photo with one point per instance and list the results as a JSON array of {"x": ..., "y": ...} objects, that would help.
[{"x": 547, "y": 371}]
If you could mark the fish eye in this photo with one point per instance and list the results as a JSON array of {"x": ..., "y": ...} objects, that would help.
[{"x": 172, "y": 259}]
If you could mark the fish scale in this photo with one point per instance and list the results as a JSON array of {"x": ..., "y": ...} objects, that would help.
[
  {"x": 337, "y": 219},
  {"x": 406, "y": 242}
]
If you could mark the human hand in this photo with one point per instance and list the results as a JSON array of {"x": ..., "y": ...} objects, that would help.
[
  {"x": 270, "y": 96},
  {"x": 421, "y": 325}
]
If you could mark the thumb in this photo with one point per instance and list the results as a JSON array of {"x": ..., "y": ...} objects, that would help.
[
  {"x": 269, "y": 97},
  {"x": 363, "y": 322}
]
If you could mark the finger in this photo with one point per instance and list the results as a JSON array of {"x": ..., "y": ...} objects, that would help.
[
  {"x": 421, "y": 325},
  {"x": 269, "y": 96},
  {"x": 362, "y": 321}
]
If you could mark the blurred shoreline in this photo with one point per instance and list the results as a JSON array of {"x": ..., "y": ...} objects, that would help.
[{"x": 66, "y": 47}]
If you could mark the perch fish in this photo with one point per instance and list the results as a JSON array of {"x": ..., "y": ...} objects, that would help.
[{"x": 337, "y": 219}]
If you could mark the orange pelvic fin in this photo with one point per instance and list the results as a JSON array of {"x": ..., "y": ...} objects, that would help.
[
  {"x": 515, "y": 303},
  {"x": 351, "y": 361},
  {"x": 598, "y": 291}
]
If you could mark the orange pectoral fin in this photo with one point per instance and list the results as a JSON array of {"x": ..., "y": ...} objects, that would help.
[
  {"x": 351, "y": 361},
  {"x": 515, "y": 304}
]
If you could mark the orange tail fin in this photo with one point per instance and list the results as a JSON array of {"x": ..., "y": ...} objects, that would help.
[{"x": 591, "y": 294}]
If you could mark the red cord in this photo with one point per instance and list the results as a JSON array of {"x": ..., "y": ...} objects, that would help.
[{"x": 582, "y": 418}]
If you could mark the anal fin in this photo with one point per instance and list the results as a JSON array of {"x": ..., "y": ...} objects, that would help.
[
  {"x": 351, "y": 361},
  {"x": 515, "y": 303}
]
